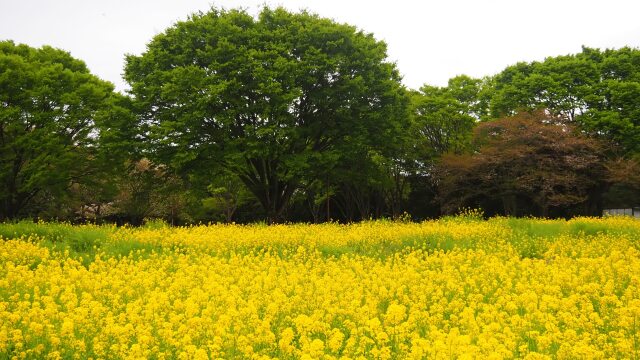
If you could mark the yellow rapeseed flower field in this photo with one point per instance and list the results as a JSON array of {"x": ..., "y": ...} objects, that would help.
[{"x": 453, "y": 288}]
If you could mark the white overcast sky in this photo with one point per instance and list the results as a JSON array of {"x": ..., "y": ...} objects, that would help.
[{"x": 431, "y": 41}]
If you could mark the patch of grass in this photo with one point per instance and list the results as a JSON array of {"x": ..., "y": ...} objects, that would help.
[
  {"x": 51, "y": 231},
  {"x": 79, "y": 238},
  {"x": 131, "y": 248},
  {"x": 386, "y": 249},
  {"x": 584, "y": 228},
  {"x": 535, "y": 228},
  {"x": 81, "y": 242},
  {"x": 530, "y": 237}
]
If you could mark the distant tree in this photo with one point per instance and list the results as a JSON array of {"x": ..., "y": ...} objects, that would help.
[
  {"x": 360, "y": 181},
  {"x": 614, "y": 108},
  {"x": 266, "y": 99},
  {"x": 442, "y": 121},
  {"x": 443, "y": 118},
  {"x": 559, "y": 85},
  {"x": 147, "y": 190},
  {"x": 55, "y": 118},
  {"x": 528, "y": 164},
  {"x": 226, "y": 194},
  {"x": 624, "y": 180},
  {"x": 599, "y": 90},
  {"x": 625, "y": 171}
]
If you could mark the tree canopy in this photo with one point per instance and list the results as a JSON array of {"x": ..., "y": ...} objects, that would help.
[
  {"x": 443, "y": 117},
  {"x": 528, "y": 164},
  {"x": 274, "y": 100},
  {"x": 599, "y": 90},
  {"x": 293, "y": 117},
  {"x": 53, "y": 115}
]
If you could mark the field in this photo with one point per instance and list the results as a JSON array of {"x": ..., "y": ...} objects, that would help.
[{"x": 458, "y": 287}]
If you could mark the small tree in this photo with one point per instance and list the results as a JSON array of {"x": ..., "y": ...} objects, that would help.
[
  {"x": 148, "y": 190},
  {"x": 227, "y": 193}
]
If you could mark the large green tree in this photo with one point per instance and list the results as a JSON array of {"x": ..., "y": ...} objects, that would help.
[
  {"x": 275, "y": 99},
  {"x": 54, "y": 117}
]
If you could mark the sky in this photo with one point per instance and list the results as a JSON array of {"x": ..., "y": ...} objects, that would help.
[{"x": 430, "y": 41}]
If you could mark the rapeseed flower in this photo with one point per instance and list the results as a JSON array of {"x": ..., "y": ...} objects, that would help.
[{"x": 452, "y": 288}]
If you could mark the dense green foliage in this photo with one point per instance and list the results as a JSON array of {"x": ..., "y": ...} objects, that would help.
[
  {"x": 600, "y": 90},
  {"x": 292, "y": 117},
  {"x": 54, "y": 119},
  {"x": 277, "y": 101}
]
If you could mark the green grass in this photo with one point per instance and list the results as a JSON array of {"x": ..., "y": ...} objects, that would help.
[
  {"x": 530, "y": 237},
  {"x": 81, "y": 242}
]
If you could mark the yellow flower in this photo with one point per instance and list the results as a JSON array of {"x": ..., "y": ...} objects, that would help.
[
  {"x": 395, "y": 314},
  {"x": 335, "y": 340},
  {"x": 437, "y": 289},
  {"x": 285, "y": 340},
  {"x": 316, "y": 349}
]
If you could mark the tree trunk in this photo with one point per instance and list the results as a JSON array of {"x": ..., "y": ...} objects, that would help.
[
  {"x": 328, "y": 200},
  {"x": 264, "y": 182},
  {"x": 510, "y": 205}
]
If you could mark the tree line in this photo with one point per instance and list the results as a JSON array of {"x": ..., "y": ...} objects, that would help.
[{"x": 293, "y": 117}]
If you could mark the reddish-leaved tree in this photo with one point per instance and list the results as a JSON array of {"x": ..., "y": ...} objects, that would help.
[{"x": 528, "y": 164}]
